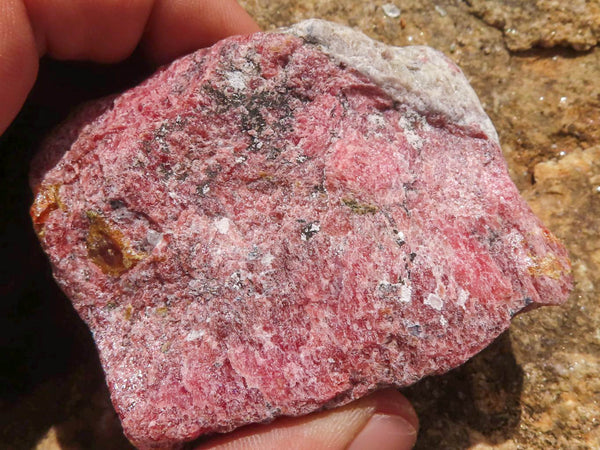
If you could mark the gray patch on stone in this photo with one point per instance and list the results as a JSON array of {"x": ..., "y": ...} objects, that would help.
[{"x": 419, "y": 76}]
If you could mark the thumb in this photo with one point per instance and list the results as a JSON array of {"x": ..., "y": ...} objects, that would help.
[{"x": 384, "y": 420}]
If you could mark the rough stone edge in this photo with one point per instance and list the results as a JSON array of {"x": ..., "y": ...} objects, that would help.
[{"x": 420, "y": 76}]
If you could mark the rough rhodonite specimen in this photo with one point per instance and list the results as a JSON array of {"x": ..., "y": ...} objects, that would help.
[{"x": 285, "y": 222}]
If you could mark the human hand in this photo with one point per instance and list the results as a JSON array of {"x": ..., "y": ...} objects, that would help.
[
  {"x": 108, "y": 31},
  {"x": 384, "y": 420}
]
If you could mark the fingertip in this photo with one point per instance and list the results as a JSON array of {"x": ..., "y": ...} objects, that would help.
[
  {"x": 177, "y": 27},
  {"x": 391, "y": 402},
  {"x": 394, "y": 425},
  {"x": 104, "y": 31},
  {"x": 18, "y": 60},
  {"x": 385, "y": 432}
]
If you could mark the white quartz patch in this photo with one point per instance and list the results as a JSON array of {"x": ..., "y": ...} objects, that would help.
[
  {"x": 194, "y": 335},
  {"x": 267, "y": 259},
  {"x": 463, "y": 296},
  {"x": 236, "y": 80},
  {"x": 419, "y": 76},
  {"x": 435, "y": 302},
  {"x": 405, "y": 294},
  {"x": 222, "y": 225},
  {"x": 411, "y": 136},
  {"x": 153, "y": 237}
]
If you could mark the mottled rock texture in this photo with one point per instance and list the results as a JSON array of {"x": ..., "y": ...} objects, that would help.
[
  {"x": 286, "y": 222},
  {"x": 543, "y": 23},
  {"x": 545, "y": 104}
]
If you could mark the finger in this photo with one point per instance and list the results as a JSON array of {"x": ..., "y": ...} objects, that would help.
[
  {"x": 109, "y": 30},
  {"x": 392, "y": 427},
  {"x": 177, "y": 27},
  {"x": 18, "y": 59},
  {"x": 96, "y": 30},
  {"x": 384, "y": 420}
]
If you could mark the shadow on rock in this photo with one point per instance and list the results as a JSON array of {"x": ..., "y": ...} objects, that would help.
[
  {"x": 478, "y": 402},
  {"x": 51, "y": 382}
]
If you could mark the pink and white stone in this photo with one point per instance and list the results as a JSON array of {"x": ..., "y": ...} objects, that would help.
[{"x": 283, "y": 223}]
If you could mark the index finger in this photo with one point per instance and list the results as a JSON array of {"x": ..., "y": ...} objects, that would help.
[{"x": 176, "y": 27}]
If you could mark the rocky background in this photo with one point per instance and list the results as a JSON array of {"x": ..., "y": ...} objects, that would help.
[{"x": 536, "y": 68}]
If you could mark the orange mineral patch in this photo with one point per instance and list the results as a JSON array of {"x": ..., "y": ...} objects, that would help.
[
  {"x": 548, "y": 266},
  {"x": 108, "y": 248},
  {"x": 46, "y": 201}
]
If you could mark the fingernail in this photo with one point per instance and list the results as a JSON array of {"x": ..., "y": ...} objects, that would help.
[
  {"x": 393, "y": 426},
  {"x": 390, "y": 401}
]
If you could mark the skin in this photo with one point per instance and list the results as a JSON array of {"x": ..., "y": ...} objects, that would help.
[{"x": 108, "y": 31}]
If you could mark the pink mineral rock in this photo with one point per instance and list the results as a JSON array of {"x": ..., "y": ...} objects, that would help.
[{"x": 283, "y": 223}]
